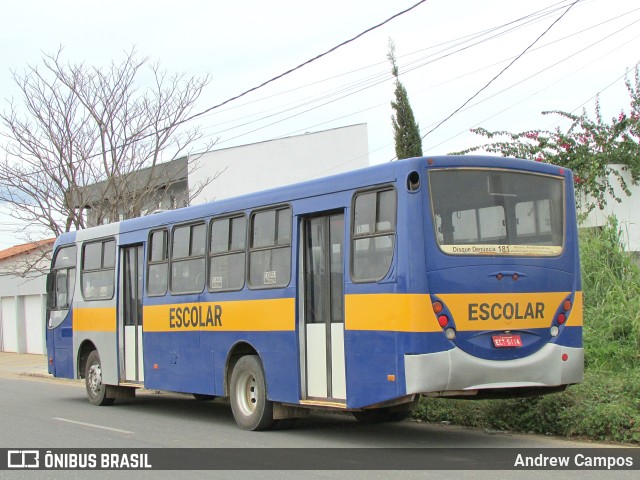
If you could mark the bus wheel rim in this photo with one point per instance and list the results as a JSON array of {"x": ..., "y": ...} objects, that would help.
[
  {"x": 247, "y": 394},
  {"x": 95, "y": 379}
]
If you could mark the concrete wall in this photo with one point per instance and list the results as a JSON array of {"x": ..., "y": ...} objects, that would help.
[{"x": 260, "y": 166}]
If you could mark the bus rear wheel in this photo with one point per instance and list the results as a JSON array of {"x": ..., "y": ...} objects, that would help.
[
  {"x": 249, "y": 404},
  {"x": 96, "y": 390}
]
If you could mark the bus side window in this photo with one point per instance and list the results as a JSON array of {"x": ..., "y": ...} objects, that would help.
[
  {"x": 373, "y": 234},
  {"x": 158, "y": 263},
  {"x": 187, "y": 259},
  {"x": 227, "y": 253},
  {"x": 98, "y": 270},
  {"x": 64, "y": 273},
  {"x": 270, "y": 248}
]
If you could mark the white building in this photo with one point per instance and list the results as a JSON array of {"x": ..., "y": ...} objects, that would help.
[
  {"x": 22, "y": 299},
  {"x": 627, "y": 211},
  {"x": 274, "y": 163}
]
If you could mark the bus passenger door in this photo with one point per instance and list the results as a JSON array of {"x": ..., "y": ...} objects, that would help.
[
  {"x": 323, "y": 307},
  {"x": 130, "y": 321}
]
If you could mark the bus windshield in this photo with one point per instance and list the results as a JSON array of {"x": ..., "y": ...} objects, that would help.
[{"x": 497, "y": 212}]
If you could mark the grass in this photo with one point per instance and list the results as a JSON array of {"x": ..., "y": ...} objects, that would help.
[{"x": 606, "y": 406}]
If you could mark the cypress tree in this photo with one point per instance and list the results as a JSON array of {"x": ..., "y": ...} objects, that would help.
[{"x": 406, "y": 131}]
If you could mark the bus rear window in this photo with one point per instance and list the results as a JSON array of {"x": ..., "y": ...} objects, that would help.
[{"x": 497, "y": 212}]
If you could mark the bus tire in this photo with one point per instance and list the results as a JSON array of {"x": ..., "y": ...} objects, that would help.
[
  {"x": 96, "y": 390},
  {"x": 249, "y": 404}
]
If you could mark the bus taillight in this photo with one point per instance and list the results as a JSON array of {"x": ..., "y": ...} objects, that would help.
[
  {"x": 443, "y": 320},
  {"x": 437, "y": 307}
]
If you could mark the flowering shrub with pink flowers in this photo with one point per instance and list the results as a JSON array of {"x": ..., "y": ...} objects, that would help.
[{"x": 589, "y": 147}]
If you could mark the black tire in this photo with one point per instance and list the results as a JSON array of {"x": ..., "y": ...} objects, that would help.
[
  {"x": 96, "y": 390},
  {"x": 249, "y": 404}
]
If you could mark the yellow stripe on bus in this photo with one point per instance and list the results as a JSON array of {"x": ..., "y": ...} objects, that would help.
[
  {"x": 390, "y": 312},
  {"x": 94, "y": 319},
  {"x": 509, "y": 311},
  {"x": 471, "y": 312},
  {"x": 246, "y": 315},
  {"x": 377, "y": 312}
]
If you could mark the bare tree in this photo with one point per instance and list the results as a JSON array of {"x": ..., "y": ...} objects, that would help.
[{"x": 84, "y": 137}]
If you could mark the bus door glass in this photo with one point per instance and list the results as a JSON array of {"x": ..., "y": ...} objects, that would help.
[
  {"x": 131, "y": 312},
  {"x": 323, "y": 273}
]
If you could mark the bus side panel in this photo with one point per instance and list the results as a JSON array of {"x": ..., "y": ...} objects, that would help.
[
  {"x": 174, "y": 361},
  {"x": 371, "y": 358},
  {"x": 97, "y": 325},
  {"x": 376, "y": 363},
  {"x": 195, "y": 362},
  {"x": 60, "y": 347}
]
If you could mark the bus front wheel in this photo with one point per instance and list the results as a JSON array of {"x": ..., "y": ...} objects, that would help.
[
  {"x": 96, "y": 390},
  {"x": 251, "y": 408}
]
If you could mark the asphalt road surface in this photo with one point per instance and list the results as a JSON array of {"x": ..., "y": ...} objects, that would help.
[{"x": 52, "y": 413}]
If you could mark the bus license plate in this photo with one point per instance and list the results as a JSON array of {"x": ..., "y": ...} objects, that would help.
[{"x": 500, "y": 341}]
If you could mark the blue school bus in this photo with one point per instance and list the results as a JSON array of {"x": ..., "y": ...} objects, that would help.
[{"x": 439, "y": 276}]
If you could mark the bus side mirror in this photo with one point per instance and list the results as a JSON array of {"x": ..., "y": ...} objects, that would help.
[{"x": 51, "y": 281}]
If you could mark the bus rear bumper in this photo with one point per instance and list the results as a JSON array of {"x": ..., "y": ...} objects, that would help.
[{"x": 456, "y": 370}]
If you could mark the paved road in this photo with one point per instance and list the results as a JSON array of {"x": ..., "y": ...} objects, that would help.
[{"x": 49, "y": 413}]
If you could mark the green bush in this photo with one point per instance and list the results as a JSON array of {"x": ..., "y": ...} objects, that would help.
[
  {"x": 611, "y": 288},
  {"x": 603, "y": 407}
]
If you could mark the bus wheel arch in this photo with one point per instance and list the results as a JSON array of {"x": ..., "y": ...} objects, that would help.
[
  {"x": 236, "y": 352},
  {"x": 83, "y": 355}
]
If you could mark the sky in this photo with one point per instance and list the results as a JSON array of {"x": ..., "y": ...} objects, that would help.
[{"x": 449, "y": 53}]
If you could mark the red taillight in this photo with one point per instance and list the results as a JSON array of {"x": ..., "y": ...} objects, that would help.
[
  {"x": 50, "y": 360},
  {"x": 565, "y": 357},
  {"x": 443, "y": 320},
  {"x": 566, "y": 306},
  {"x": 437, "y": 307},
  {"x": 562, "y": 318}
]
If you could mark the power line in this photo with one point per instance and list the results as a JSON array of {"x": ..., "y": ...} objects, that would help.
[
  {"x": 537, "y": 16},
  {"x": 263, "y": 84},
  {"x": 502, "y": 71},
  {"x": 382, "y": 77},
  {"x": 311, "y": 60},
  {"x": 379, "y": 78},
  {"x": 308, "y": 127},
  {"x": 550, "y": 85}
]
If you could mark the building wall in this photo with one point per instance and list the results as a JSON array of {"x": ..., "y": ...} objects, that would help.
[
  {"x": 627, "y": 211},
  {"x": 22, "y": 313},
  {"x": 175, "y": 196},
  {"x": 260, "y": 166}
]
